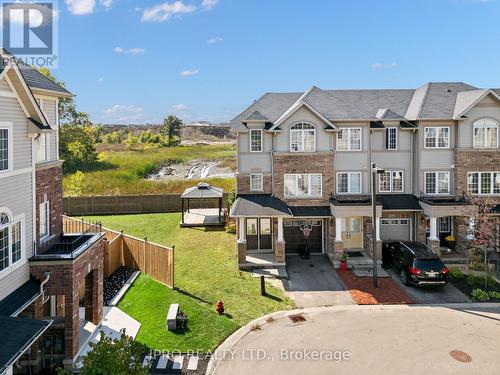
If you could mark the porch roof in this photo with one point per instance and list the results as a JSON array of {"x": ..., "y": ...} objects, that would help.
[
  {"x": 311, "y": 211},
  {"x": 399, "y": 202},
  {"x": 259, "y": 205},
  {"x": 20, "y": 298},
  {"x": 18, "y": 335}
]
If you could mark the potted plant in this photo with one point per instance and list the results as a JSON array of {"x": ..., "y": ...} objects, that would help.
[
  {"x": 343, "y": 262},
  {"x": 450, "y": 241},
  {"x": 182, "y": 319}
]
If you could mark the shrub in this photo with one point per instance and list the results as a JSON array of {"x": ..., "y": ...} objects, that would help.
[
  {"x": 456, "y": 273},
  {"x": 480, "y": 295},
  {"x": 493, "y": 294},
  {"x": 76, "y": 184},
  {"x": 231, "y": 228},
  {"x": 182, "y": 319}
]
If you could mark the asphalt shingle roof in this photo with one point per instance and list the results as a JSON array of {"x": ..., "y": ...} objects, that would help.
[
  {"x": 259, "y": 205},
  {"x": 36, "y": 80},
  {"x": 19, "y": 298}
]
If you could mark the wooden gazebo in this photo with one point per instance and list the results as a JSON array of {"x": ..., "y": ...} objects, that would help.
[{"x": 199, "y": 216}]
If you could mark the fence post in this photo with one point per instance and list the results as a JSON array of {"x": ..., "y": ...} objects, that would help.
[
  {"x": 172, "y": 267},
  {"x": 144, "y": 255},
  {"x": 122, "y": 253},
  {"x": 82, "y": 225}
]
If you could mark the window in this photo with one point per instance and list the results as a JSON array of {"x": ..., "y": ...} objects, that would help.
[
  {"x": 251, "y": 227},
  {"x": 255, "y": 140},
  {"x": 4, "y": 149},
  {"x": 303, "y": 137},
  {"x": 256, "y": 182},
  {"x": 10, "y": 241},
  {"x": 391, "y": 138},
  {"x": 41, "y": 148},
  {"x": 349, "y": 183},
  {"x": 303, "y": 185},
  {"x": 444, "y": 224},
  {"x": 349, "y": 139},
  {"x": 391, "y": 181},
  {"x": 44, "y": 219},
  {"x": 483, "y": 183},
  {"x": 437, "y": 182},
  {"x": 437, "y": 137},
  {"x": 485, "y": 133}
]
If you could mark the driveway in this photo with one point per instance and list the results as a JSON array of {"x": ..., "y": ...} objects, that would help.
[
  {"x": 366, "y": 339},
  {"x": 446, "y": 294},
  {"x": 313, "y": 282}
]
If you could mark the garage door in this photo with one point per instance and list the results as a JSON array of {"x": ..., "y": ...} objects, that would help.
[
  {"x": 295, "y": 240},
  {"x": 395, "y": 229}
]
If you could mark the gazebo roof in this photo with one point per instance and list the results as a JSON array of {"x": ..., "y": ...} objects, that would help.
[{"x": 202, "y": 190}]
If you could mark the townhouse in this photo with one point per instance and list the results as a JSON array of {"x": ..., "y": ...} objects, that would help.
[
  {"x": 45, "y": 274},
  {"x": 304, "y": 168}
]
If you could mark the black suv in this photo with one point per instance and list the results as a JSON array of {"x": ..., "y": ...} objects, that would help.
[{"x": 416, "y": 263}]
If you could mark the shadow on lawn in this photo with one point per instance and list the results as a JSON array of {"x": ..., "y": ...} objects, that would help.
[{"x": 187, "y": 294}]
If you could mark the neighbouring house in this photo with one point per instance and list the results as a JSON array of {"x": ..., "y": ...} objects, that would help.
[
  {"x": 45, "y": 274},
  {"x": 304, "y": 164}
]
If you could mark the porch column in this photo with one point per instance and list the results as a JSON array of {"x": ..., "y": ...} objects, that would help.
[
  {"x": 242, "y": 230},
  {"x": 338, "y": 228},
  {"x": 433, "y": 229},
  {"x": 377, "y": 225},
  {"x": 280, "y": 230}
]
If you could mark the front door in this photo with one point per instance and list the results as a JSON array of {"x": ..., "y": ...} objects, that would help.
[
  {"x": 352, "y": 232},
  {"x": 259, "y": 234}
]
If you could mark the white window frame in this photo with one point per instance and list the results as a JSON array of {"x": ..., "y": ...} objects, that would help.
[
  {"x": 436, "y": 190},
  {"x": 493, "y": 124},
  {"x": 44, "y": 236},
  {"x": 479, "y": 182},
  {"x": 259, "y": 187},
  {"x": 10, "y": 144},
  {"x": 46, "y": 148},
  {"x": 391, "y": 182},
  {"x": 388, "y": 140},
  {"x": 349, "y": 139},
  {"x": 349, "y": 184},
  {"x": 302, "y": 131},
  {"x": 261, "y": 139},
  {"x": 309, "y": 185},
  {"x": 437, "y": 137},
  {"x": 13, "y": 221}
]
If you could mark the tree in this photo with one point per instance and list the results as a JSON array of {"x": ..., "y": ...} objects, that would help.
[
  {"x": 77, "y": 134},
  {"x": 119, "y": 356},
  {"x": 483, "y": 232},
  {"x": 172, "y": 128}
]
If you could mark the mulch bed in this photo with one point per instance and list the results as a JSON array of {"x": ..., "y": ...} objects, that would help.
[
  {"x": 114, "y": 283},
  {"x": 363, "y": 292}
]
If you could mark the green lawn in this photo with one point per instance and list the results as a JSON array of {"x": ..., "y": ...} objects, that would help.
[
  {"x": 123, "y": 172},
  {"x": 205, "y": 271}
]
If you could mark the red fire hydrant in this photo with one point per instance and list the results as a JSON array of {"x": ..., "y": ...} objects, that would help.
[{"x": 219, "y": 307}]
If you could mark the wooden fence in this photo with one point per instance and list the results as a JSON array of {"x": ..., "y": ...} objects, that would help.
[
  {"x": 131, "y": 204},
  {"x": 150, "y": 258}
]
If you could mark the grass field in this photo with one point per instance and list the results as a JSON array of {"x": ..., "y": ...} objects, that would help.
[
  {"x": 205, "y": 271},
  {"x": 123, "y": 172}
]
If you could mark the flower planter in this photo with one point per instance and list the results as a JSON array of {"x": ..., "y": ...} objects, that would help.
[{"x": 343, "y": 265}]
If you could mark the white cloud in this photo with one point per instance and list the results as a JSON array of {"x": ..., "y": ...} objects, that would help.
[
  {"x": 378, "y": 65},
  {"x": 216, "y": 39},
  {"x": 188, "y": 73},
  {"x": 209, "y": 4},
  {"x": 80, "y": 7},
  {"x": 163, "y": 12},
  {"x": 179, "y": 107},
  {"x": 107, "y": 3},
  {"x": 130, "y": 51},
  {"x": 120, "y": 112},
  {"x": 100, "y": 80}
]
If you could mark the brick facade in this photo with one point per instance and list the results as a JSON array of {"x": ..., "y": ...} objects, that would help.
[
  {"x": 473, "y": 161},
  {"x": 66, "y": 279},
  {"x": 291, "y": 163},
  {"x": 243, "y": 184},
  {"x": 49, "y": 187}
]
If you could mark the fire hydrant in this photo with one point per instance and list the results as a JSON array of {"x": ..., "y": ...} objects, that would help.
[{"x": 219, "y": 307}]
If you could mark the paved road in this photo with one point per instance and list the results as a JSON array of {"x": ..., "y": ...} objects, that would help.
[
  {"x": 313, "y": 282},
  {"x": 367, "y": 339},
  {"x": 445, "y": 294}
]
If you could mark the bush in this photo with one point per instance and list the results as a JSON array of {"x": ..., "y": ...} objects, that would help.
[
  {"x": 493, "y": 294},
  {"x": 76, "y": 184},
  {"x": 231, "y": 228},
  {"x": 182, "y": 320},
  {"x": 480, "y": 295},
  {"x": 456, "y": 273}
]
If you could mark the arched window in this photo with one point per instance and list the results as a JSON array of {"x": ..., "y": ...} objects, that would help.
[
  {"x": 485, "y": 133},
  {"x": 10, "y": 241},
  {"x": 303, "y": 137}
]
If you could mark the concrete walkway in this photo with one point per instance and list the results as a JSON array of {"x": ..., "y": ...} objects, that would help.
[
  {"x": 313, "y": 282},
  {"x": 366, "y": 339}
]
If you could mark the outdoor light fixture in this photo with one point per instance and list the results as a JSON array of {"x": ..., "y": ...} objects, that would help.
[{"x": 375, "y": 171}]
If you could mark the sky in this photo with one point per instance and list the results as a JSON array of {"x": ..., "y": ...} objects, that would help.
[{"x": 131, "y": 61}]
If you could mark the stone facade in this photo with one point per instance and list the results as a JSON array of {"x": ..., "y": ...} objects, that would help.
[
  {"x": 243, "y": 184},
  {"x": 297, "y": 163},
  {"x": 67, "y": 278},
  {"x": 49, "y": 188}
]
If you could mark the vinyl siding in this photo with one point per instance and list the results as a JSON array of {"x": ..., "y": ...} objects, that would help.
[
  {"x": 254, "y": 161},
  {"x": 465, "y": 133},
  {"x": 49, "y": 108}
]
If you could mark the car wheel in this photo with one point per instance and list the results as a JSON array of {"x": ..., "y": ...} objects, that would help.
[{"x": 403, "y": 277}]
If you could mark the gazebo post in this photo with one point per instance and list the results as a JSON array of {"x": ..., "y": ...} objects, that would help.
[
  {"x": 182, "y": 200},
  {"x": 220, "y": 208},
  {"x": 188, "y": 206}
]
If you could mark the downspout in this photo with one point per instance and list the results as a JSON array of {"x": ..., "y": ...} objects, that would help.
[
  {"x": 42, "y": 284},
  {"x": 370, "y": 161},
  {"x": 272, "y": 164},
  {"x": 33, "y": 186}
]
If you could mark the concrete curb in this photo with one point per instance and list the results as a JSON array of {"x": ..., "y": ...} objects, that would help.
[{"x": 227, "y": 344}]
